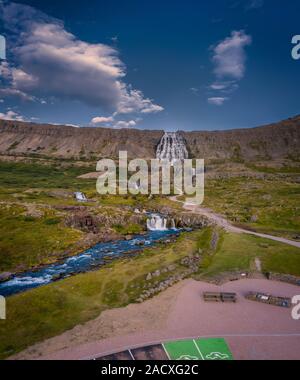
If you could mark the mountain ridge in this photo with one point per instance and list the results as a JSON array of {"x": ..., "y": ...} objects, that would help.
[{"x": 276, "y": 140}]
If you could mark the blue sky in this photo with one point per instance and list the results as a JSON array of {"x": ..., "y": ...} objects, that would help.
[{"x": 173, "y": 65}]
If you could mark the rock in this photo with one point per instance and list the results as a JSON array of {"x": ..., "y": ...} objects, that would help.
[
  {"x": 149, "y": 277},
  {"x": 267, "y": 197},
  {"x": 128, "y": 237},
  {"x": 214, "y": 240},
  {"x": 171, "y": 267},
  {"x": 264, "y": 245},
  {"x": 254, "y": 219},
  {"x": 57, "y": 277},
  {"x": 5, "y": 276},
  {"x": 140, "y": 243},
  {"x": 157, "y": 273}
]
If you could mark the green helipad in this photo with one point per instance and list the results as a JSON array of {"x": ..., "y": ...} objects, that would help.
[{"x": 198, "y": 349}]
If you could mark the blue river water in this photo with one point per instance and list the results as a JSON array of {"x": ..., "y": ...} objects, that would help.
[{"x": 86, "y": 261}]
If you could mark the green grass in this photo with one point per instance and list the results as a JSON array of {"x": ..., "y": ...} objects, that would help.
[
  {"x": 236, "y": 252},
  {"x": 18, "y": 176},
  {"x": 274, "y": 170},
  {"x": 26, "y": 241},
  {"x": 275, "y": 203},
  {"x": 50, "y": 310}
]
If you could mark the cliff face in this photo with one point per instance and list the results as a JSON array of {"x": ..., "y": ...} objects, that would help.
[
  {"x": 63, "y": 141},
  {"x": 280, "y": 140}
]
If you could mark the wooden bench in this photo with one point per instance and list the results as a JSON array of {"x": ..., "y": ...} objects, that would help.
[{"x": 219, "y": 297}]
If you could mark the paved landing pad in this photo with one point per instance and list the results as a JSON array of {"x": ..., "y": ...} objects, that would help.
[{"x": 194, "y": 349}]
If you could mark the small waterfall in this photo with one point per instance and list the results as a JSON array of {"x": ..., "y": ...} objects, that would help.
[
  {"x": 172, "y": 147},
  {"x": 173, "y": 225},
  {"x": 157, "y": 223}
]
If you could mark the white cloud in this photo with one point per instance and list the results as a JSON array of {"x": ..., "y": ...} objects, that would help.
[
  {"x": 229, "y": 59},
  {"x": 125, "y": 124},
  {"x": 48, "y": 61},
  {"x": 229, "y": 56},
  {"x": 194, "y": 90},
  {"x": 102, "y": 120},
  {"x": 224, "y": 86},
  {"x": 254, "y": 4},
  {"x": 11, "y": 115},
  {"x": 217, "y": 101},
  {"x": 134, "y": 101}
]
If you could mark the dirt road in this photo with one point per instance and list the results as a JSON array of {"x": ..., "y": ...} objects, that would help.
[{"x": 224, "y": 223}]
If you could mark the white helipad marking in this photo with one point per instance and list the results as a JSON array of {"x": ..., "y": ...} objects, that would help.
[
  {"x": 198, "y": 349},
  {"x": 163, "y": 346},
  {"x": 132, "y": 357}
]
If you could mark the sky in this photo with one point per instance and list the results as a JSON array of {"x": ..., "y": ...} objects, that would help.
[{"x": 171, "y": 65}]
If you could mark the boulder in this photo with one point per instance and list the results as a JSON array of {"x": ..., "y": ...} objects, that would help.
[
  {"x": 157, "y": 273},
  {"x": 254, "y": 218},
  {"x": 5, "y": 276}
]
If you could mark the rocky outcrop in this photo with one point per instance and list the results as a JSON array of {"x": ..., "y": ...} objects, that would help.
[
  {"x": 183, "y": 219},
  {"x": 83, "y": 221},
  {"x": 5, "y": 276},
  {"x": 294, "y": 280},
  {"x": 80, "y": 218},
  {"x": 159, "y": 280}
]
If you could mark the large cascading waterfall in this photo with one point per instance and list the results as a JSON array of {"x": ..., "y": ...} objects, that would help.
[
  {"x": 157, "y": 223},
  {"x": 172, "y": 147}
]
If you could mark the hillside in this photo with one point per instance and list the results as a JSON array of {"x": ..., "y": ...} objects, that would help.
[
  {"x": 19, "y": 138},
  {"x": 279, "y": 140}
]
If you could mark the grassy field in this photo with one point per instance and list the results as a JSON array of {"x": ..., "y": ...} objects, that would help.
[
  {"x": 237, "y": 252},
  {"x": 27, "y": 241},
  {"x": 20, "y": 176},
  {"x": 270, "y": 206},
  {"x": 32, "y": 231}
]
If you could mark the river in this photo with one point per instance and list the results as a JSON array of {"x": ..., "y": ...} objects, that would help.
[{"x": 88, "y": 260}]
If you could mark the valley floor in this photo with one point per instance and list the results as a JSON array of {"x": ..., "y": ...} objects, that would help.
[
  {"x": 252, "y": 330},
  {"x": 38, "y": 225}
]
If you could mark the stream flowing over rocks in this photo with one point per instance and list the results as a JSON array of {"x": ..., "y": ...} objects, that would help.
[{"x": 162, "y": 228}]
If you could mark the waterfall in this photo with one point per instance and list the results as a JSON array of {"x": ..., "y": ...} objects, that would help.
[
  {"x": 172, "y": 147},
  {"x": 173, "y": 225},
  {"x": 157, "y": 223}
]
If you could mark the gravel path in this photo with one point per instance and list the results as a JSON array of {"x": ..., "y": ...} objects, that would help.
[{"x": 224, "y": 223}]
